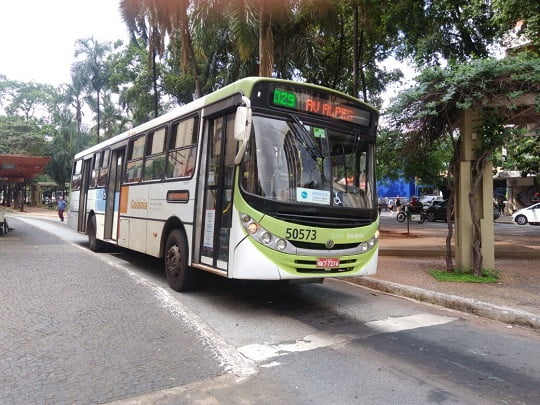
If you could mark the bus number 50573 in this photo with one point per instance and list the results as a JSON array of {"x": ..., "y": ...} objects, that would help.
[{"x": 300, "y": 234}]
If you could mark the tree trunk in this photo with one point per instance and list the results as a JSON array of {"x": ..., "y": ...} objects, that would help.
[
  {"x": 266, "y": 44},
  {"x": 355, "y": 52},
  {"x": 98, "y": 117},
  {"x": 154, "y": 81},
  {"x": 477, "y": 235}
]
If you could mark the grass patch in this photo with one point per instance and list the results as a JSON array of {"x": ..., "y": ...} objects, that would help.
[{"x": 466, "y": 276}]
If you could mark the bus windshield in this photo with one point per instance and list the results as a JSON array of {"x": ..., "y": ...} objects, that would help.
[{"x": 294, "y": 162}]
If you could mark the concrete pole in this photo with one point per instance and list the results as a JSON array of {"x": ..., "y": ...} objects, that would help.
[{"x": 484, "y": 198}]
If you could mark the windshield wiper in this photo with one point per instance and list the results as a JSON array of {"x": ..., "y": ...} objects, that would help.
[{"x": 302, "y": 134}]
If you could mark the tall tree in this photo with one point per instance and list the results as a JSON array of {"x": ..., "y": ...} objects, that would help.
[
  {"x": 432, "y": 32},
  {"x": 431, "y": 110},
  {"x": 92, "y": 69}
]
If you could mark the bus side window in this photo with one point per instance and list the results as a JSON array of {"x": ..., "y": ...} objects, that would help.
[
  {"x": 103, "y": 176},
  {"x": 135, "y": 160},
  {"x": 182, "y": 149},
  {"x": 76, "y": 178},
  {"x": 154, "y": 161},
  {"x": 95, "y": 170}
]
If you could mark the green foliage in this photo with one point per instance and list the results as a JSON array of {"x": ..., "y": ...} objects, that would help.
[
  {"x": 526, "y": 13},
  {"x": 523, "y": 154},
  {"x": 466, "y": 276},
  {"x": 22, "y": 137},
  {"x": 435, "y": 31}
]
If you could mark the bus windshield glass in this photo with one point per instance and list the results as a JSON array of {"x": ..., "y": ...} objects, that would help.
[{"x": 294, "y": 162}]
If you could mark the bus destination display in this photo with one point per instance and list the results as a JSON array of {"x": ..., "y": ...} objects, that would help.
[{"x": 332, "y": 107}]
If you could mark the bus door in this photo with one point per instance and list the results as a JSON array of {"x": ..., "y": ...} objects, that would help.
[
  {"x": 218, "y": 191},
  {"x": 112, "y": 194},
  {"x": 83, "y": 194}
]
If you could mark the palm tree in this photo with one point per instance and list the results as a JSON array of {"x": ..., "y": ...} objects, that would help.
[
  {"x": 156, "y": 19},
  {"x": 92, "y": 69}
]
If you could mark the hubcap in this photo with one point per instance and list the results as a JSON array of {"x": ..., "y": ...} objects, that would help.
[{"x": 173, "y": 260}]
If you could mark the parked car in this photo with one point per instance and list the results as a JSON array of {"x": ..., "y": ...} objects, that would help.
[
  {"x": 529, "y": 215},
  {"x": 437, "y": 211},
  {"x": 427, "y": 200}
]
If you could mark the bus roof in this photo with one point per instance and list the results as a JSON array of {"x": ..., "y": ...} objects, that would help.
[{"x": 243, "y": 86}]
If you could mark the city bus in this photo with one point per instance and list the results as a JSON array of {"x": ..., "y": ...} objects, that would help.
[{"x": 264, "y": 179}]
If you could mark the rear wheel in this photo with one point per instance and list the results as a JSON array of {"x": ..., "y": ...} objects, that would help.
[
  {"x": 180, "y": 276},
  {"x": 430, "y": 216},
  {"x": 521, "y": 219},
  {"x": 400, "y": 216},
  {"x": 94, "y": 244}
]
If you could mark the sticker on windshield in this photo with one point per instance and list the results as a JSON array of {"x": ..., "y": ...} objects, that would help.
[
  {"x": 319, "y": 133},
  {"x": 312, "y": 196}
]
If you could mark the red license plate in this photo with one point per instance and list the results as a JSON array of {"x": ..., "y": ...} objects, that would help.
[{"x": 327, "y": 262}]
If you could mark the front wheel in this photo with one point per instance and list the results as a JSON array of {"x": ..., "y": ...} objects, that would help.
[
  {"x": 422, "y": 218},
  {"x": 180, "y": 276},
  {"x": 521, "y": 219},
  {"x": 400, "y": 216},
  {"x": 430, "y": 216}
]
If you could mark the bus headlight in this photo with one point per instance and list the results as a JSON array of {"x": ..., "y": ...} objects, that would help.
[
  {"x": 252, "y": 228},
  {"x": 266, "y": 238},
  {"x": 364, "y": 247}
]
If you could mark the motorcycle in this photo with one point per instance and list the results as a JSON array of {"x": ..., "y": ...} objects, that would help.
[{"x": 414, "y": 216}]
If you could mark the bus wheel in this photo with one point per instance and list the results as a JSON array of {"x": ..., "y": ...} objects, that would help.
[
  {"x": 94, "y": 244},
  {"x": 180, "y": 276}
]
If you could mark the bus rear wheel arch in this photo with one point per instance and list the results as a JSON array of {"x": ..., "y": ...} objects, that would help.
[{"x": 180, "y": 276}]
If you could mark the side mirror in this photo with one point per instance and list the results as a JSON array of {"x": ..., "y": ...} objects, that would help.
[{"x": 242, "y": 128}]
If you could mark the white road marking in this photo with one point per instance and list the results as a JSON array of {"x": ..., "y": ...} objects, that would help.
[
  {"x": 262, "y": 352},
  {"x": 408, "y": 322},
  {"x": 226, "y": 354}
]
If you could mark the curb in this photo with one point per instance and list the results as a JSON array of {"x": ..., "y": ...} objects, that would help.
[
  {"x": 520, "y": 253},
  {"x": 483, "y": 309}
]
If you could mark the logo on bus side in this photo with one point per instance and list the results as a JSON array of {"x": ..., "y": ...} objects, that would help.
[{"x": 139, "y": 205}]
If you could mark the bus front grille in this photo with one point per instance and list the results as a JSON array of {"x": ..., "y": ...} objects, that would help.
[{"x": 311, "y": 219}]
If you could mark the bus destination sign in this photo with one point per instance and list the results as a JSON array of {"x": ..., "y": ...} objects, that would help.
[{"x": 331, "y": 106}]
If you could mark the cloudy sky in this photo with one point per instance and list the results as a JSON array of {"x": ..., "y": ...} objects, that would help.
[{"x": 37, "y": 37}]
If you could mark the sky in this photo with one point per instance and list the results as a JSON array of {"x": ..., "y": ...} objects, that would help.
[{"x": 37, "y": 37}]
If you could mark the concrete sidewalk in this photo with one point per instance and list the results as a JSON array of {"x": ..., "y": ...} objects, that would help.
[{"x": 406, "y": 259}]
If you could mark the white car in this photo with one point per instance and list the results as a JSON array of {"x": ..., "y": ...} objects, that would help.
[{"x": 530, "y": 214}]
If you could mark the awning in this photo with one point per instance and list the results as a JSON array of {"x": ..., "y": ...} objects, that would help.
[{"x": 18, "y": 168}]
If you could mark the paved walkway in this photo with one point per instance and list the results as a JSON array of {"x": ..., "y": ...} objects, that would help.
[
  {"x": 406, "y": 259},
  {"x": 405, "y": 262}
]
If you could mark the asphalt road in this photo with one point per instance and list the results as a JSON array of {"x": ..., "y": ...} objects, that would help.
[{"x": 79, "y": 327}]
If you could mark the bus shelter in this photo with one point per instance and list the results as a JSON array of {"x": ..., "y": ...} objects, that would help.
[{"x": 15, "y": 172}]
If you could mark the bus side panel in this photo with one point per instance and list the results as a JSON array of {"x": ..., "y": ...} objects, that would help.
[{"x": 73, "y": 212}]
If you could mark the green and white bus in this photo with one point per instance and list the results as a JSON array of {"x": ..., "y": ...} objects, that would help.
[{"x": 264, "y": 179}]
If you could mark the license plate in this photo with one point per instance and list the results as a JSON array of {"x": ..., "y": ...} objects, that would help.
[
  {"x": 327, "y": 262},
  {"x": 415, "y": 217}
]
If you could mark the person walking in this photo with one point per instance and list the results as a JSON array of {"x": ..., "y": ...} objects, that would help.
[{"x": 61, "y": 207}]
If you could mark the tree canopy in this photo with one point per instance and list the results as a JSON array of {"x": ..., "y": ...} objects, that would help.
[{"x": 185, "y": 49}]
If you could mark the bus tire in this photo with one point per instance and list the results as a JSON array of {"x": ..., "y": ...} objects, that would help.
[
  {"x": 94, "y": 244},
  {"x": 180, "y": 276}
]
